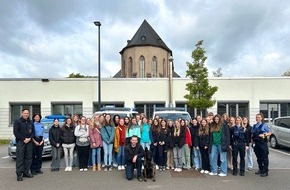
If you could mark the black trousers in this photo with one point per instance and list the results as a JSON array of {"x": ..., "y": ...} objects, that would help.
[
  {"x": 239, "y": 149},
  {"x": 130, "y": 169},
  {"x": 23, "y": 157},
  {"x": 204, "y": 158},
  {"x": 162, "y": 152},
  {"x": 83, "y": 154},
  {"x": 37, "y": 156},
  {"x": 262, "y": 153}
]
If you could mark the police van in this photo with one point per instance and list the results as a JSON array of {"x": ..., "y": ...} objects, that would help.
[{"x": 122, "y": 112}]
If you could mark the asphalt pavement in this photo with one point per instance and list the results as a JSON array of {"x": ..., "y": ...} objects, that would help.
[{"x": 278, "y": 178}]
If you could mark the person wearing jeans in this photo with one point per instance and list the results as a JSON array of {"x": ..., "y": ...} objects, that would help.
[
  {"x": 178, "y": 143},
  {"x": 107, "y": 133},
  {"x": 219, "y": 144},
  {"x": 249, "y": 152},
  {"x": 119, "y": 143},
  {"x": 68, "y": 143}
]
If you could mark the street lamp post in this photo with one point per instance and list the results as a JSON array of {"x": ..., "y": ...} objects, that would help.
[
  {"x": 170, "y": 81},
  {"x": 98, "y": 24}
]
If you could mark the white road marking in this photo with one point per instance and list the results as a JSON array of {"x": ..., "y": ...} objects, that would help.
[
  {"x": 5, "y": 157},
  {"x": 279, "y": 151}
]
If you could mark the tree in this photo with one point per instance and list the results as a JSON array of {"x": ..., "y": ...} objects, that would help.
[
  {"x": 217, "y": 73},
  {"x": 286, "y": 73},
  {"x": 78, "y": 75},
  {"x": 200, "y": 92}
]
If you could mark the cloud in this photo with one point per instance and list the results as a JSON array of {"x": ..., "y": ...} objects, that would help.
[{"x": 54, "y": 38}]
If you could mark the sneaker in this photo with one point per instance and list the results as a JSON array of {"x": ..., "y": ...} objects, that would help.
[
  {"x": 175, "y": 169},
  {"x": 157, "y": 167},
  {"x": 201, "y": 171},
  {"x": 66, "y": 169},
  {"x": 115, "y": 165},
  {"x": 163, "y": 168},
  {"x": 249, "y": 169},
  {"x": 110, "y": 169},
  {"x": 206, "y": 172},
  {"x": 81, "y": 170},
  {"x": 119, "y": 167},
  {"x": 123, "y": 167},
  {"x": 106, "y": 169},
  {"x": 85, "y": 169},
  {"x": 179, "y": 170},
  {"x": 222, "y": 174},
  {"x": 211, "y": 173},
  {"x": 172, "y": 168},
  {"x": 167, "y": 168},
  {"x": 69, "y": 169}
]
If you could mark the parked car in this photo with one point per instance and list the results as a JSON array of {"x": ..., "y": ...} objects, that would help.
[
  {"x": 122, "y": 112},
  {"x": 47, "y": 123},
  {"x": 172, "y": 113},
  {"x": 280, "y": 132}
]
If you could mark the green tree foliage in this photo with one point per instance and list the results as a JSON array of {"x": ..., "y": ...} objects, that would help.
[
  {"x": 200, "y": 92},
  {"x": 78, "y": 75},
  {"x": 217, "y": 73},
  {"x": 286, "y": 73}
]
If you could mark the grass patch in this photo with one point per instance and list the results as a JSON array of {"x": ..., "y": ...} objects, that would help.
[{"x": 4, "y": 141}]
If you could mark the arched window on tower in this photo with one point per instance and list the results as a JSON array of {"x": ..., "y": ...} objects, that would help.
[
  {"x": 130, "y": 68},
  {"x": 123, "y": 69},
  {"x": 154, "y": 67},
  {"x": 142, "y": 67},
  {"x": 164, "y": 68}
]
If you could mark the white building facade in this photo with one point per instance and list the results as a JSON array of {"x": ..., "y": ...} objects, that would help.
[{"x": 235, "y": 96}]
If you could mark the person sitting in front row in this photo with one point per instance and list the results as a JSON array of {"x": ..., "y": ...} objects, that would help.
[{"x": 133, "y": 154}]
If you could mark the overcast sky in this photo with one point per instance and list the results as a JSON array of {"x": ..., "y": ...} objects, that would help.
[{"x": 54, "y": 38}]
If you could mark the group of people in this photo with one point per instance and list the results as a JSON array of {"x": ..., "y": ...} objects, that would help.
[{"x": 210, "y": 145}]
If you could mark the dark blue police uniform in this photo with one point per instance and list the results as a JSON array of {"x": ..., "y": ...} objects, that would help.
[{"x": 261, "y": 147}]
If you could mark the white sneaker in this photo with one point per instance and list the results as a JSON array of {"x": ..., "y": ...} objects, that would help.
[
  {"x": 222, "y": 174},
  {"x": 69, "y": 169},
  {"x": 206, "y": 172},
  {"x": 123, "y": 167},
  {"x": 115, "y": 165},
  {"x": 119, "y": 167},
  {"x": 175, "y": 169},
  {"x": 201, "y": 171},
  {"x": 66, "y": 169},
  {"x": 81, "y": 170},
  {"x": 157, "y": 167},
  {"x": 211, "y": 173},
  {"x": 85, "y": 169},
  {"x": 179, "y": 170},
  {"x": 172, "y": 168},
  {"x": 110, "y": 169}
]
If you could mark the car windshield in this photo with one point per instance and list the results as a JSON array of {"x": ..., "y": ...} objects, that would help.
[{"x": 174, "y": 116}]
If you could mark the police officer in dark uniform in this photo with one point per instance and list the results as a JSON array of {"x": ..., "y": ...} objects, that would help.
[
  {"x": 260, "y": 132},
  {"x": 23, "y": 130},
  {"x": 239, "y": 145}
]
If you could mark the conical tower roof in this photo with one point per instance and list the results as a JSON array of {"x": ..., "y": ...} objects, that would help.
[{"x": 146, "y": 36}]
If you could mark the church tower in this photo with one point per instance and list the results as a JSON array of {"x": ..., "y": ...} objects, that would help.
[{"x": 145, "y": 56}]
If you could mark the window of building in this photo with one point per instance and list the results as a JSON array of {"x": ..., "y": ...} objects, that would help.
[
  {"x": 130, "y": 67},
  {"x": 142, "y": 67},
  {"x": 193, "y": 112},
  {"x": 107, "y": 104},
  {"x": 233, "y": 108},
  {"x": 68, "y": 109},
  {"x": 164, "y": 68},
  {"x": 123, "y": 69},
  {"x": 271, "y": 110},
  {"x": 148, "y": 108},
  {"x": 154, "y": 67},
  {"x": 16, "y": 109}
]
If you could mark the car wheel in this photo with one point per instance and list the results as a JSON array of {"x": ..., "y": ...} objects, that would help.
[{"x": 274, "y": 142}]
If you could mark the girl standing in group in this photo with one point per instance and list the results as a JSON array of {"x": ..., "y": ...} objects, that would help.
[
  {"x": 219, "y": 144},
  {"x": 83, "y": 143},
  {"x": 230, "y": 124},
  {"x": 108, "y": 132},
  {"x": 170, "y": 132},
  {"x": 68, "y": 143},
  {"x": 249, "y": 152},
  {"x": 119, "y": 144},
  {"x": 55, "y": 141},
  {"x": 133, "y": 129},
  {"x": 162, "y": 144},
  {"x": 145, "y": 134},
  {"x": 178, "y": 143},
  {"x": 187, "y": 146},
  {"x": 127, "y": 121},
  {"x": 195, "y": 153},
  {"x": 76, "y": 120},
  {"x": 38, "y": 143},
  {"x": 201, "y": 143},
  {"x": 154, "y": 137},
  {"x": 96, "y": 142}
]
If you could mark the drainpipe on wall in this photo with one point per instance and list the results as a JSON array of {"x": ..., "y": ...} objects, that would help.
[{"x": 170, "y": 82}]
